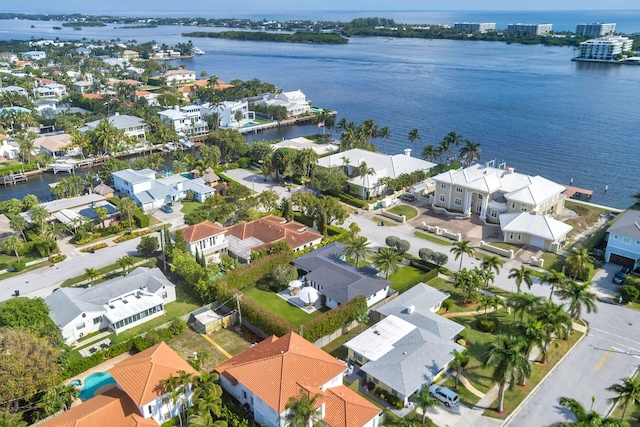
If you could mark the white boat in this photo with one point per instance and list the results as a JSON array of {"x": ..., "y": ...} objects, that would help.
[{"x": 198, "y": 51}]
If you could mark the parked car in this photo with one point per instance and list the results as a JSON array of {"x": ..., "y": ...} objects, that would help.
[
  {"x": 166, "y": 209},
  {"x": 448, "y": 397},
  {"x": 408, "y": 197},
  {"x": 621, "y": 275}
]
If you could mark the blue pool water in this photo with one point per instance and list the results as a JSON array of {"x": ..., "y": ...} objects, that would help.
[
  {"x": 93, "y": 382},
  {"x": 250, "y": 123}
]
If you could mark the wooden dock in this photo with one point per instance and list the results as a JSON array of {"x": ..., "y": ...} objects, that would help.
[
  {"x": 577, "y": 193},
  {"x": 13, "y": 178}
]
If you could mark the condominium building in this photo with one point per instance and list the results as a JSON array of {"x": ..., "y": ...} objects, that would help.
[
  {"x": 604, "y": 48},
  {"x": 476, "y": 27},
  {"x": 595, "y": 29},
  {"x": 537, "y": 29}
]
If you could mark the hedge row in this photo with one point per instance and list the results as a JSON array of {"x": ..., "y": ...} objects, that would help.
[
  {"x": 19, "y": 167},
  {"x": 249, "y": 274},
  {"x": 265, "y": 319},
  {"x": 353, "y": 201},
  {"x": 141, "y": 219},
  {"x": 335, "y": 319}
]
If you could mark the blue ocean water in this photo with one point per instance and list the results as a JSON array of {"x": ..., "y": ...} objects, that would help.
[{"x": 529, "y": 106}]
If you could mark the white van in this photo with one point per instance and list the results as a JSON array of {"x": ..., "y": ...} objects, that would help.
[{"x": 448, "y": 397}]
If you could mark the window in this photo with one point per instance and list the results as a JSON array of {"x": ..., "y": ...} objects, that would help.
[
  {"x": 494, "y": 214},
  {"x": 637, "y": 242},
  {"x": 164, "y": 295},
  {"x": 244, "y": 394},
  {"x": 393, "y": 392},
  {"x": 513, "y": 205},
  {"x": 84, "y": 315},
  {"x": 523, "y": 207},
  {"x": 442, "y": 198},
  {"x": 615, "y": 237},
  {"x": 80, "y": 326},
  {"x": 458, "y": 189},
  {"x": 511, "y": 236},
  {"x": 374, "y": 380},
  {"x": 457, "y": 201},
  {"x": 626, "y": 240},
  {"x": 443, "y": 186},
  {"x": 519, "y": 236},
  {"x": 150, "y": 409},
  {"x": 97, "y": 320},
  {"x": 479, "y": 196},
  {"x": 358, "y": 357}
]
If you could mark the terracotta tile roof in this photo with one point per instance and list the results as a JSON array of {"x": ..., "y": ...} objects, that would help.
[
  {"x": 271, "y": 229},
  {"x": 220, "y": 85},
  {"x": 201, "y": 231},
  {"x": 92, "y": 95},
  {"x": 131, "y": 82},
  {"x": 276, "y": 369},
  {"x": 3, "y": 137},
  {"x": 186, "y": 89},
  {"x": 140, "y": 375},
  {"x": 142, "y": 93},
  {"x": 113, "y": 408},
  {"x": 345, "y": 408}
]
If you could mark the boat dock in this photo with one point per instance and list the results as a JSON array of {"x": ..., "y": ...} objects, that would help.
[
  {"x": 13, "y": 178},
  {"x": 577, "y": 193}
]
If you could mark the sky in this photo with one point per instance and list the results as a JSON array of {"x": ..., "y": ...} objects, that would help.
[{"x": 153, "y": 7}]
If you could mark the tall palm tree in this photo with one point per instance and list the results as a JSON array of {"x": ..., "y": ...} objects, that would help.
[
  {"x": 555, "y": 323},
  {"x": 12, "y": 244},
  {"x": 302, "y": 410},
  {"x": 460, "y": 360},
  {"x": 462, "y": 248},
  {"x": 39, "y": 215},
  {"x": 523, "y": 302},
  {"x": 470, "y": 151},
  {"x": 357, "y": 248},
  {"x": 521, "y": 275},
  {"x": 578, "y": 296},
  {"x": 91, "y": 274},
  {"x": 443, "y": 148},
  {"x": 588, "y": 418},
  {"x": 385, "y": 134},
  {"x": 414, "y": 135},
  {"x": 493, "y": 262},
  {"x": 579, "y": 260},
  {"x": 425, "y": 401},
  {"x": 363, "y": 171},
  {"x": 452, "y": 139},
  {"x": 387, "y": 260},
  {"x": 106, "y": 135},
  {"x": 125, "y": 262},
  {"x": 155, "y": 161},
  {"x": 18, "y": 223},
  {"x": 126, "y": 208},
  {"x": 627, "y": 393},
  {"x": 25, "y": 145},
  {"x": 553, "y": 278},
  {"x": 170, "y": 385},
  {"x": 55, "y": 230},
  {"x": 510, "y": 364},
  {"x": 429, "y": 153}
]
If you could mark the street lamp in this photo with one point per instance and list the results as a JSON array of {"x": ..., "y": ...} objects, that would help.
[
  {"x": 164, "y": 256},
  {"x": 253, "y": 184}
]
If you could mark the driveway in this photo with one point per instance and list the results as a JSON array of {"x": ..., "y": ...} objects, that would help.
[{"x": 258, "y": 183}]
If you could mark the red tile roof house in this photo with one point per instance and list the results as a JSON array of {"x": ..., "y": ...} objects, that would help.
[
  {"x": 270, "y": 373},
  {"x": 247, "y": 237},
  {"x": 207, "y": 239},
  {"x": 137, "y": 400}
]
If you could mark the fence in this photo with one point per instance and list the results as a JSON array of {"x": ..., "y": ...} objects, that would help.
[
  {"x": 508, "y": 253},
  {"x": 400, "y": 218}
]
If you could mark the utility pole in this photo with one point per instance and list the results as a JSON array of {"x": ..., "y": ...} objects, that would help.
[
  {"x": 164, "y": 255},
  {"x": 239, "y": 312}
]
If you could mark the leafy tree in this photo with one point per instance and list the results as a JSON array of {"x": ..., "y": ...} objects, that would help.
[
  {"x": 27, "y": 313},
  {"x": 268, "y": 199},
  {"x": 578, "y": 296},
  {"x": 627, "y": 392},
  {"x": 462, "y": 248},
  {"x": 281, "y": 276},
  {"x": 148, "y": 245},
  {"x": 357, "y": 248},
  {"x": 426, "y": 254},
  {"x": 328, "y": 180},
  {"x": 509, "y": 362},
  {"x": 439, "y": 259},
  {"x": 520, "y": 275},
  {"x": 354, "y": 229},
  {"x": 110, "y": 166},
  {"x": 590, "y": 417},
  {"x": 321, "y": 220},
  {"x": 460, "y": 360},
  {"x": 12, "y": 244},
  {"x": 286, "y": 207},
  {"x": 334, "y": 210},
  {"x": 388, "y": 260},
  {"x": 302, "y": 409},
  {"x": 231, "y": 143},
  {"x": 305, "y": 202}
]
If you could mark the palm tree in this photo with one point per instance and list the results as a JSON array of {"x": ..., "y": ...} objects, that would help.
[
  {"x": 510, "y": 364},
  {"x": 590, "y": 417},
  {"x": 357, "y": 248},
  {"x": 12, "y": 244},
  {"x": 468, "y": 282},
  {"x": 429, "y": 153},
  {"x": 302, "y": 410},
  {"x": 579, "y": 261},
  {"x": 170, "y": 385},
  {"x": 462, "y": 248},
  {"x": 555, "y": 323},
  {"x": 452, "y": 139},
  {"x": 523, "y": 302},
  {"x": 578, "y": 296},
  {"x": 127, "y": 207},
  {"x": 628, "y": 392},
  {"x": 155, "y": 161},
  {"x": 39, "y": 215},
  {"x": 55, "y": 230},
  {"x": 125, "y": 262},
  {"x": 91, "y": 273},
  {"x": 424, "y": 401},
  {"x": 470, "y": 152},
  {"x": 492, "y": 262},
  {"x": 521, "y": 275},
  {"x": 106, "y": 135},
  {"x": 460, "y": 360},
  {"x": 553, "y": 278},
  {"x": 25, "y": 145},
  {"x": 414, "y": 135},
  {"x": 8, "y": 419},
  {"x": 363, "y": 171},
  {"x": 387, "y": 260},
  {"x": 18, "y": 223},
  {"x": 385, "y": 134}
]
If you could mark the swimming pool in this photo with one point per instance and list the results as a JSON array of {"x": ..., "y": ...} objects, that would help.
[
  {"x": 93, "y": 382},
  {"x": 250, "y": 123}
]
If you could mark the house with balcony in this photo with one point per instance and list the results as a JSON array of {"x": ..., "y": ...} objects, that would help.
[
  {"x": 185, "y": 120},
  {"x": 623, "y": 240},
  {"x": 35, "y": 55},
  {"x": 294, "y": 101},
  {"x": 15, "y": 90},
  {"x": 409, "y": 346},
  {"x": 327, "y": 271},
  {"x": 118, "y": 304},
  {"x": 137, "y": 398},
  {"x": 56, "y": 145},
  {"x": 130, "y": 125},
  {"x": 207, "y": 239},
  {"x": 231, "y": 114},
  {"x": 178, "y": 77},
  {"x": 266, "y": 376}
]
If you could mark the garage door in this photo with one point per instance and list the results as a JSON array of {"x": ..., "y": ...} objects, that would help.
[
  {"x": 538, "y": 242},
  {"x": 621, "y": 260}
]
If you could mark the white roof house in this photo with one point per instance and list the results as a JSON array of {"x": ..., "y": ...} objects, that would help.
[
  {"x": 130, "y": 125},
  {"x": 300, "y": 143},
  {"x": 185, "y": 120},
  {"x": 534, "y": 229},
  {"x": 295, "y": 101},
  {"x": 384, "y": 165}
]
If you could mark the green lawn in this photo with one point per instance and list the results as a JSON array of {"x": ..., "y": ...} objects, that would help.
[
  {"x": 278, "y": 305},
  {"x": 447, "y": 286},
  {"x": 336, "y": 348},
  {"x": 7, "y": 260},
  {"x": 411, "y": 419},
  {"x": 405, "y": 278},
  {"x": 433, "y": 238},
  {"x": 632, "y": 417},
  {"x": 26, "y": 270},
  {"x": 386, "y": 221},
  {"x": 466, "y": 397},
  {"x": 507, "y": 246},
  {"x": 408, "y": 211},
  {"x": 104, "y": 270},
  {"x": 189, "y": 206}
]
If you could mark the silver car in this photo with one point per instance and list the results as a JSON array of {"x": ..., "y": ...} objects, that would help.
[{"x": 448, "y": 397}]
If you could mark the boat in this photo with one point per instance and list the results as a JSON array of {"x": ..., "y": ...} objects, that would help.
[{"x": 198, "y": 51}]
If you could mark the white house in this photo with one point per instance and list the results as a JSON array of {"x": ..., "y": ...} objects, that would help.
[
  {"x": 35, "y": 55},
  {"x": 8, "y": 150},
  {"x": 294, "y": 101},
  {"x": 185, "y": 120},
  {"x": 14, "y": 90},
  {"x": 231, "y": 114},
  {"x": 177, "y": 77},
  {"x": 384, "y": 165},
  {"x": 623, "y": 240},
  {"x": 268, "y": 374},
  {"x": 531, "y": 228},
  {"x": 118, "y": 304},
  {"x": 130, "y": 125},
  {"x": 207, "y": 239}
]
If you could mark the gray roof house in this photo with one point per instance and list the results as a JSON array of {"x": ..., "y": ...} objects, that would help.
[
  {"x": 118, "y": 304},
  {"x": 623, "y": 240},
  {"x": 130, "y": 125},
  {"x": 328, "y": 272},
  {"x": 411, "y": 344}
]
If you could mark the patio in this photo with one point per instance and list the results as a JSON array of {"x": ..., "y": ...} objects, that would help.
[
  {"x": 293, "y": 298},
  {"x": 95, "y": 347}
]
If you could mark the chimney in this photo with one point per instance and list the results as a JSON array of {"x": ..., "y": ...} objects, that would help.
[
  {"x": 407, "y": 152},
  {"x": 411, "y": 309},
  {"x": 116, "y": 114},
  {"x": 176, "y": 107}
]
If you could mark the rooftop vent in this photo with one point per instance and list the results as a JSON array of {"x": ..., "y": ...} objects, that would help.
[
  {"x": 124, "y": 301},
  {"x": 411, "y": 309},
  {"x": 376, "y": 332}
]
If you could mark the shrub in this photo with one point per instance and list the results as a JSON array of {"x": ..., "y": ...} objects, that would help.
[
  {"x": 95, "y": 247},
  {"x": 335, "y": 319},
  {"x": 112, "y": 229},
  {"x": 629, "y": 293},
  {"x": 353, "y": 201},
  {"x": 57, "y": 258},
  {"x": 244, "y": 162},
  {"x": 447, "y": 304},
  {"x": 141, "y": 220},
  {"x": 43, "y": 250},
  {"x": 488, "y": 324},
  {"x": 18, "y": 266}
]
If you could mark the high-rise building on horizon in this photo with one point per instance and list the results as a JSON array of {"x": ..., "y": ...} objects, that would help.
[
  {"x": 595, "y": 29},
  {"x": 605, "y": 48},
  {"x": 476, "y": 27},
  {"x": 537, "y": 29}
]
